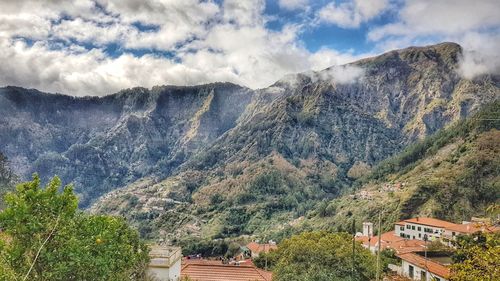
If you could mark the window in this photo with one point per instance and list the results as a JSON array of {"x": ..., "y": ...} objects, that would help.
[
  {"x": 407, "y": 226},
  {"x": 413, "y": 236},
  {"x": 412, "y": 227},
  {"x": 402, "y": 228},
  {"x": 410, "y": 271},
  {"x": 419, "y": 235},
  {"x": 402, "y": 235},
  {"x": 423, "y": 275},
  {"x": 453, "y": 233},
  {"x": 419, "y": 228}
]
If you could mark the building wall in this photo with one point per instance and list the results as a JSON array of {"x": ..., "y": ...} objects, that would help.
[
  {"x": 417, "y": 231},
  {"x": 175, "y": 271},
  {"x": 418, "y": 272},
  {"x": 172, "y": 273}
]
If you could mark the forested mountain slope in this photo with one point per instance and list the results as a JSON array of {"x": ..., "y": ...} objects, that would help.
[
  {"x": 306, "y": 139},
  {"x": 452, "y": 175}
]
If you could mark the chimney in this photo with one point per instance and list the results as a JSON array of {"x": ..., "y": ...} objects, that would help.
[
  {"x": 417, "y": 218},
  {"x": 368, "y": 229}
]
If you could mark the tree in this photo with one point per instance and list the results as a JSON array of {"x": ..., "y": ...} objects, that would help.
[
  {"x": 7, "y": 178},
  {"x": 321, "y": 255},
  {"x": 477, "y": 258},
  {"x": 45, "y": 237}
]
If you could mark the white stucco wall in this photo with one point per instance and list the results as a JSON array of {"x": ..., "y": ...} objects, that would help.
[
  {"x": 172, "y": 273},
  {"x": 417, "y": 272},
  {"x": 417, "y": 231}
]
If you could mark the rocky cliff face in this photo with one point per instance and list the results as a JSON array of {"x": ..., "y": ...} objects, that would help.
[
  {"x": 103, "y": 143},
  {"x": 231, "y": 155},
  {"x": 306, "y": 138}
]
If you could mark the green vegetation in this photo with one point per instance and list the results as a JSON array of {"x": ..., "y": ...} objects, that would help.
[
  {"x": 7, "y": 179},
  {"x": 477, "y": 258},
  {"x": 44, "y": 237},
  {"x": 452, "y": 175},
  {"x": 322, "y": 256},
  {"x": 483, "y": 121}
]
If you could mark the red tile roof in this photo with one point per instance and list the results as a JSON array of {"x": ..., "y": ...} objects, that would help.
[
  {"x": 257, "y": 248},
  {"x": 200, "y": 270},
  {"x": 428, "y": 221},
  {"x": 472, "y": 227},
  {"x": 432, "y": 266},
  {"x": 392, "y": 241}
]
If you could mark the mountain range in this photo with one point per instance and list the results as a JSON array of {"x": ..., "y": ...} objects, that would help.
[{"x": 221, "y": 160}]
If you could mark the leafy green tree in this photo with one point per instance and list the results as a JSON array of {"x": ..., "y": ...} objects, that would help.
[
  {"x": 266, "y": 260},
  {"x": 477, "y": 258},
  {"x": 45, "y": 237},
  {"x": 321, "y": 255}
]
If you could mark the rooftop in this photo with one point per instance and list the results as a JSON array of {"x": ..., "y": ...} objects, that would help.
[
  {"x": 257, "y": 248},
  {"x": 392, "y": 241},
  {"x": 428, "y": 221},
  {"x": 205, "y": 270},
  {"x": 432, "y": 266},
  {"x": 473, "y": 227}
]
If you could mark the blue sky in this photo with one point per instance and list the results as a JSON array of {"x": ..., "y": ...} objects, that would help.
[{"x": 97, "y": 47}]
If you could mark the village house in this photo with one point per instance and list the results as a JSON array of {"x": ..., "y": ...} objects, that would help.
[
  {"x": 409, "y": 238},
  {"x": 165, "y": 263},
  {"x": 211, "y": 270},
  {"x": 433, "y": 268},
  {"x": 256, "y": 248}
]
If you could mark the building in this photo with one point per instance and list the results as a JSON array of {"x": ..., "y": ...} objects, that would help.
[
  {"x": 468, "y": 228},
  {"x": 165, "y": 263},
  {"x": 256, "y": 248},
  {"x": 209, "y": 270},
  {"x": 390, "y": 240},
  {"x": 418, "y": 228},
  {"x": 416, "y": 267}
]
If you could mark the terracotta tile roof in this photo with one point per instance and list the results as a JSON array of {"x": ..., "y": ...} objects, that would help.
[
  {"x": 428, "y": 221},
  {"x": 257, "y": 248},
  {"x": 200, "y": 270},
  {"x": 408, "y": 246},
  {"x": 472, "y": 228},
  {"x": 432, "y": 266},
  {"x": 392, "y": 241}
]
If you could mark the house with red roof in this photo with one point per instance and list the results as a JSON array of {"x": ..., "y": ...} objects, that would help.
[
  {"x": 211, "y": 270},
  {"x": 433, "y": 268}
]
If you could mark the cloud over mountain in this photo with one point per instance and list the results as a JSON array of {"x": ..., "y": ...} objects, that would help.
[{"x": 96, "y": 47}]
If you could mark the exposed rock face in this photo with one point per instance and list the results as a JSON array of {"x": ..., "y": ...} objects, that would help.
[
  {"x": 218, "y": 139},
  {"x": 298, "y": 139},
  {"x": 103, "y": 143}
]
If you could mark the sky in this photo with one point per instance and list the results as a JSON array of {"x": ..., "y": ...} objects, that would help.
[{"x": 98, "y": 47}]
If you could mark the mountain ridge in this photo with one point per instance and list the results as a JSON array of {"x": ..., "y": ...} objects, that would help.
[{"x": 297, "y": 145}]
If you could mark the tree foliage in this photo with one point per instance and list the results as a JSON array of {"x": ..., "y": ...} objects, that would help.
[
  {"x": 477, "y": 258},
  {"x": 321, "y": 255},
  {"x": 45, "y": 237}
]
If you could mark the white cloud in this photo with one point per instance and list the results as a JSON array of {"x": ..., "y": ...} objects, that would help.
[
  {"x": 472, "y": 24},
  {"x": 209, "y": 43},
  {"x": 293, "y": 4},
  {"x": 345, "y": 74},
  {"x": 352, "y": 13},
  {"x": 480, "y": 56}
]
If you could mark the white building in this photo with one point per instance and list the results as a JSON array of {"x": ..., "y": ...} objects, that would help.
[
  {"x": 416, "y": 267},
  {"x": 417, "y": 228},
  {"x": 165, "y": 264}
]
